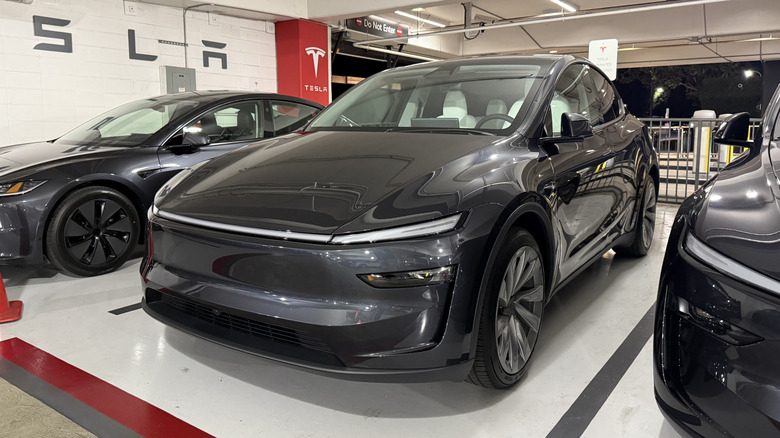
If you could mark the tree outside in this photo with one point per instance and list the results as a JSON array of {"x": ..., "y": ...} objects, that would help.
[{"x": 723, "y": 87}]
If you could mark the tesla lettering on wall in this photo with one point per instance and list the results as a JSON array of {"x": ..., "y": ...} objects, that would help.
[{"x": 66, "y": 46}]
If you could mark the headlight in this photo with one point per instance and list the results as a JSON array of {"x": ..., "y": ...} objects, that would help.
[
  {"x": 173, "y": 182},
  {"x": 730, "y": 267},
  {"x": 19, "y": 187},
  {"x": 422, "y": 277},
  {"x": 422, "y": 229}
]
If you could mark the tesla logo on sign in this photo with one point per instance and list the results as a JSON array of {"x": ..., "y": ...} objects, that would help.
[{"x": 316, "y": 53}]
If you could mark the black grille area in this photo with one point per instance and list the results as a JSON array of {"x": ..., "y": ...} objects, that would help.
[{"x": 244, "y": 325}]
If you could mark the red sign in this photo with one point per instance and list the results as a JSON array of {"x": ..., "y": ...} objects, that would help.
[
  {"x": 302, "y": 61},
  {"x": 400, "y": 31}
]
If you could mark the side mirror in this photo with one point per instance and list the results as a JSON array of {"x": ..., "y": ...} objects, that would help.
[
  {"x": 575, "y": 125},
  {"x": 574, "y": 128},
  {"x": 734, "y": 130},
  {"x": 191, "y": 142}
]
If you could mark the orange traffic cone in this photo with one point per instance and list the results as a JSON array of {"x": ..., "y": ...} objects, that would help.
[{"x": 9, "y": 311}]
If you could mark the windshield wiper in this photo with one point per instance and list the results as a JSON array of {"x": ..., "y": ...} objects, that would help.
[{"x": 442, "y": 130}]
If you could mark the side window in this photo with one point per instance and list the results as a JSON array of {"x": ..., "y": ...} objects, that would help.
[
  {"x": 569, "y": 97},
  {"x": 238, "y": 121},
  {"x": 603, "y": 99},
  {"x": 290, "y": 116}
]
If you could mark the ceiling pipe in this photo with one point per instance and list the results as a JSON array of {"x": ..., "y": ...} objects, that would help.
[{"x": 567, "y": 17}]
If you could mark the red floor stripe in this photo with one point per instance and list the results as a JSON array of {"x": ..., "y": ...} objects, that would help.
[{"x": 124, "y": 408}]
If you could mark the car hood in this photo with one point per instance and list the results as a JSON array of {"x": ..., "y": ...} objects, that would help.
[
  {"x": 328, "y": 182},
  {"x": 740, "y": 213},
  {"x": 18, "y": 157}
]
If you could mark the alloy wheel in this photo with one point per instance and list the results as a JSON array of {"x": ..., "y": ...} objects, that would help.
[
  {"x": 648, "y": 216},
  {"x": 97, "y": 232},
  {"x": 519, "y": 309}
]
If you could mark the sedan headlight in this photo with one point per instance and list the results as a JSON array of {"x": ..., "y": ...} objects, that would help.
[
  {"x": 19, "y": 187},
  {"x": 408, "y": 231}
]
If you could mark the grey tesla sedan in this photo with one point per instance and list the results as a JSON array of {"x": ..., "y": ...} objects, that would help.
[
  {"x": 79, "y": 201},
  {"x": 415, "y": 229}
]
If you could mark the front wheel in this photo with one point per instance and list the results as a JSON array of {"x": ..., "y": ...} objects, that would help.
[
  {"x": 93, "y": 231},
  {"x": 511, "y": 314}
]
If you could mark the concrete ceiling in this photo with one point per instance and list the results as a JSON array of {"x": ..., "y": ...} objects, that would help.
[{"x": 649, "y": 33}]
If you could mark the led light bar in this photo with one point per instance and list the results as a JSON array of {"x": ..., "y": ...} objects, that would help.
[{"x": 420, "y": 19}]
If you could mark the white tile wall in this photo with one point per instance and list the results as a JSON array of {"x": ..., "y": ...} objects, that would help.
[{"x": 44, "y": 94}]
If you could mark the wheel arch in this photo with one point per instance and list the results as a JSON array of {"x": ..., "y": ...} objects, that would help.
[
  {"x": 530, "y": 213},
  {"x": 119, "y": 186}
]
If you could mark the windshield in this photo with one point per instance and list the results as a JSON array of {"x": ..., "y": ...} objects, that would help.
[
  {"x": 484, "y": 97},
  {"x": 128, "y": 125}
]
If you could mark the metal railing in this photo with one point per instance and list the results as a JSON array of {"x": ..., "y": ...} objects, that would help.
[{"x": 687, "y": 155}]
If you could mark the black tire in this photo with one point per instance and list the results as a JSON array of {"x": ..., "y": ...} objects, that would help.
[
  {"x": 510, "y": 321},
  {"x": 644, "y": 228},
  {"x": 93, "y": 231}
]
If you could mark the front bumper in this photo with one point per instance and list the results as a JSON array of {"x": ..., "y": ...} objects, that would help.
[
  {"x": 21, "y": 230},
  {"x": 303, "y": 303},
  {"x": 719, "y": 379}
]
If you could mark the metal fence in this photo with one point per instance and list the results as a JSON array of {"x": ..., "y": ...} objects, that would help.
[{"x": 686, "y": 154}]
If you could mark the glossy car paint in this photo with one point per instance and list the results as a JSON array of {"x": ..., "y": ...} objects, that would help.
[
  {"x": 137, "y": 172},
  {"x": 716, "y": 375},
  {"x": 304, "y": 300}
]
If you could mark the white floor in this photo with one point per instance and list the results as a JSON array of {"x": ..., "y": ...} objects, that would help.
[{"x": 232, "y": 394}]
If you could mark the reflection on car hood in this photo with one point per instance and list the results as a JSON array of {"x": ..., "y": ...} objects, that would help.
[
  {"x": 18, "y": 157},
  {"x": 320, "y": 182},
  {"x": 740, "y": 215}
]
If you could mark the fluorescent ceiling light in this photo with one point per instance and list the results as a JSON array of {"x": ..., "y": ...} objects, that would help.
[
  {"x": 422, "y": 20},
  {"x": 553, "y": 51},
  {"x": 628, "y": 49},
  {"x": 769, "y": 38},
  {"x": 393, "y": 52},
  {"x": 565, "y": 5}
]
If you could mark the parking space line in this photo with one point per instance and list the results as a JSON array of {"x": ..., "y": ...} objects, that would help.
[
  {"x": 126, "y": 409},
  {"x": 589, "y": 403}
]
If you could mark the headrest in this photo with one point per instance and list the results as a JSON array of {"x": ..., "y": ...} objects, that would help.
[
  {"x": 455, "y": 105},
  {"x": 495, "y": 106}
]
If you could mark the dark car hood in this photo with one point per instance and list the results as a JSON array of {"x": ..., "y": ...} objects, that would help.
[
  {"x": 740, "y": 215},
  {"x": 328, "y": 182},
  {"x": 18, "y": 157}
]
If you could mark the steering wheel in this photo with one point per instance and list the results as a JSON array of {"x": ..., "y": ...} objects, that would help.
[{"x": 490, "y": 117}]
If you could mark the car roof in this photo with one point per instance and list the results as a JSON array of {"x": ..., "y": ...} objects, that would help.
[{"x": 216, "y": 95}]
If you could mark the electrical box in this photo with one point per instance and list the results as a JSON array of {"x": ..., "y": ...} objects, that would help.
[{"x": 176, "y": 79}]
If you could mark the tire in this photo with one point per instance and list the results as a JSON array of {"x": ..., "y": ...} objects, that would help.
[
  {"x": 93, "y": 231},
  {"x": 508, "y": 333},
  {"x": 645, "y": 224}
]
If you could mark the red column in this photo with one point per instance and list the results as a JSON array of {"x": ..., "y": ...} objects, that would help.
[{"x": 303, "y": 60}]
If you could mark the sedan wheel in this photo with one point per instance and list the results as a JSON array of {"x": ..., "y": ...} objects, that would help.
[
  {"x": 512, "y": 314},
  {"x": 93, "y": 231}
]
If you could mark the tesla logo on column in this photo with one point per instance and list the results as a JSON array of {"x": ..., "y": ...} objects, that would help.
[{"x": 316, "y": 53}]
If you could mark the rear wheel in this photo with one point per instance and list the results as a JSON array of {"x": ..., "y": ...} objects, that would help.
[
  {"x": 511, "y": 314},
  {"x": 645, "y": 224},
  {"x": 93, "y": 231}
]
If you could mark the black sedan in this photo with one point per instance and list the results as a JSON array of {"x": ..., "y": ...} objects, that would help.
[
  {"x": 415, "y": 229},
  {"x": 717, "y": 327},
  {"x": 80, "y": 201}
]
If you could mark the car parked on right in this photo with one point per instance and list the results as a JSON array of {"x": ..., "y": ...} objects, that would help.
[{"x": 717, "y": 326}]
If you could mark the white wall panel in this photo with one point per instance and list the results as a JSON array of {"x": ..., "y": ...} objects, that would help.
[{"x": 43, "y": 93}]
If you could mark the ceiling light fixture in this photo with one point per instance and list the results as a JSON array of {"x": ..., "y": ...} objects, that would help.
[
  {"x": 565, "y": 5},
  {"x": 420, "y": 19},
  {"x": 629, "y": 49},
  {"x": 553, "y": 51},
  {"x": 393, "y": 52},
  {"x": 769, "y": 38}
]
